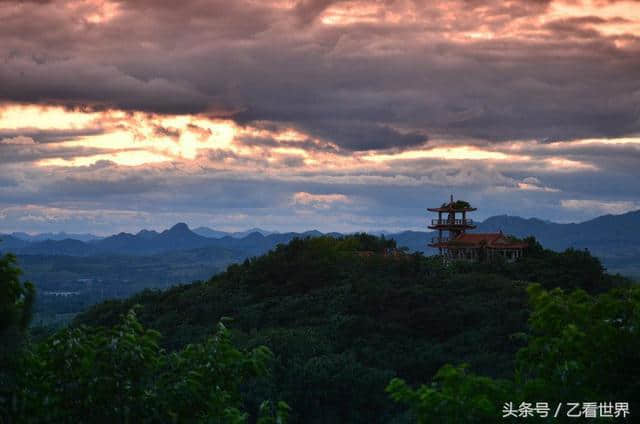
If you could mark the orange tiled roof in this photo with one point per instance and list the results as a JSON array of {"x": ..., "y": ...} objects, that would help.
[{"x": 495, "y": 240}]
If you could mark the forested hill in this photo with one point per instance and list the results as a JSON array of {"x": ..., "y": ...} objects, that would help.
[{"x": 345, "y": 315}]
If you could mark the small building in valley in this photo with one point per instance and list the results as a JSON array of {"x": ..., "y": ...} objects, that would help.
[{"x": 455, "y": 243}]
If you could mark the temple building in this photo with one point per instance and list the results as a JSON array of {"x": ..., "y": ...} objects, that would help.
[{"x": 455, "y": 243}]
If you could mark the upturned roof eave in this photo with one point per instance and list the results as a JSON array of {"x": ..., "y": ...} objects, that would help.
[
  {"x": 478, "y": 245},
  {"x": 443, "y": 226},
  {"x": 451, "y": 209}
]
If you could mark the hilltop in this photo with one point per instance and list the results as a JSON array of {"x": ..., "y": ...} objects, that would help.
[
  {"x": 342, "y": 323},
  {"x": 74, "y": 274}
]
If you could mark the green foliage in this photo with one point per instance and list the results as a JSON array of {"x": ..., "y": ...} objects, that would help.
[
  {"x": 580, "y": 348},
  {"x": 273, "y": 414},
  {"x": 342, "y": 324},
  {"x": 458, "y": 204},
  {"x": 16, "y": 309},
  {"x": 16, "y": 303},
  {"x": 343, "y": 318},
  {"x": 571, "y": 269},
  {"x": 121, "y": 374},
  {"x": 455, "y": 396}
]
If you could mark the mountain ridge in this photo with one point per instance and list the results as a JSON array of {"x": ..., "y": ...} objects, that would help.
[
  {"x": 54, "y": 236},
  {"x": 210, "y": 233},
  {"x": 614, "y": 238}
]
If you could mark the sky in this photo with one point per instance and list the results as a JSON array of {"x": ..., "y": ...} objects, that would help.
[{"x": 119, "y": 115}]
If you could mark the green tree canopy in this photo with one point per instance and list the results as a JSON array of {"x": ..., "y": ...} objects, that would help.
[
  {"x": 16, "y": 310},
  {"x": 121, "y": 374},
  {"x": 581, "y": 348},
  {"x": 16, "y": 303}
]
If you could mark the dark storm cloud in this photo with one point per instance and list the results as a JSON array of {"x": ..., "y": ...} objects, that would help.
[
  {"x": 16, "y": 153},
  {"x": 49, "y": 136},
  {"x": 74, "y": 81},
  {"x": 150, "y": 193},
  {"x": 363, "y": 85},
  {"x": 76, "y": 188},
  {"x": 307, "y": 144},
  {"x": 610, "y": 158},
  {"x": 365, "y": 135}
]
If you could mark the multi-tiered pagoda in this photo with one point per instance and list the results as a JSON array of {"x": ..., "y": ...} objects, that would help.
[{"x": 454, "y": 243}]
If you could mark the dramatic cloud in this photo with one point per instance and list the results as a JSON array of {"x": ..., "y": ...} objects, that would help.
[
  {"x": 18, "y": 140},
  {"x": 337, "y": 114},
  {"x": 362, "y": 74},
  {"x": 319, "y": 201},
  {"x": 601, "y": 206}
]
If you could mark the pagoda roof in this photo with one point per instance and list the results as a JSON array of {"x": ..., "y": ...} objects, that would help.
[
  {"x": 453, "y": 205},
  {"x": 490, "y": 240},
  {"x": 451, "y": 209}
]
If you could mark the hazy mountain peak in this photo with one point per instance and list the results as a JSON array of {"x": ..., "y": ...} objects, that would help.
[
  {"x": 242, "y": 234},
  {"x": 147, "y": 234},
  {"x": 208, "y": 232},
  {"x": 180, "y": 227},
  {"x": 312, "y": 233}
]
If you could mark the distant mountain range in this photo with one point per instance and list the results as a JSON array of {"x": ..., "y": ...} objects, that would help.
[
  {"x": 614, "y": 238},
  {"x": 208, "y": 232},
  {"x": 148, "y": 242},
  {"x": 616, "y": 230},
  {"x": 54, "y": 236},
  {"x": 202, "y": 231}
]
